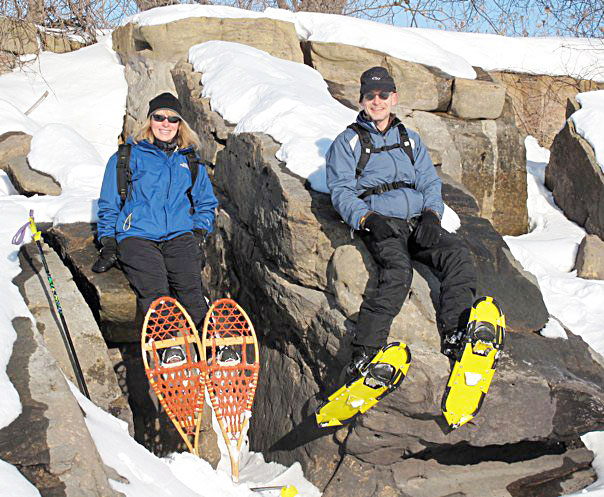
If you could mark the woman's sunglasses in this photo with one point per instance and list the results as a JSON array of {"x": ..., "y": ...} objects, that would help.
[{"x": 160, "y": 119}]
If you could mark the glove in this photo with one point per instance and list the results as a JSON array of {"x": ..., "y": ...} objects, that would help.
[
  {"x": 427, "y": 232},
  {"x": 378, "y": 226},
  {"x": 108, "y": 257},
  {"x": 200, "y": 237}
]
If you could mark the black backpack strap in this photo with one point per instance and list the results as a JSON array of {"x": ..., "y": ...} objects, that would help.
[
  {"x": 124, "y": 173},
  {"x": 385, "y": 187},
  {"x": 193, "y": 163},
  {"x": 406, "y": 142},
  {"x": 366, "y": 146}
]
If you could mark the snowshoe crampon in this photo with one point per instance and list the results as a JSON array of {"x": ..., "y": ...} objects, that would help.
[
  {"x": 383, "y": 374},
  {"x": 476, "y": 362}
]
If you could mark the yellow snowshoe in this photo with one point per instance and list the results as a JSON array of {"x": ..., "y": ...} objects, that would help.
[
  {"x": 366, "y": 390},
  {"x": 475, "y": 365}
]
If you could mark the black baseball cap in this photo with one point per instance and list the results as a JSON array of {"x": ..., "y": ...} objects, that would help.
[
  {"x": 376, "y": 78},
  {"x": 165, "y": 101}
]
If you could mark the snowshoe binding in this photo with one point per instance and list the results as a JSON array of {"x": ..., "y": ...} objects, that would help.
[{"x": 376, "y": 379}]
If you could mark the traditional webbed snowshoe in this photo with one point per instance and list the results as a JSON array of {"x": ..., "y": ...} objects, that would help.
[
  {"x": 379, "y": 377},
  {"x": 475, "y": 364}
]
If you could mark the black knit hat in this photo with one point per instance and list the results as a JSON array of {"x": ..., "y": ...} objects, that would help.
[
  {"x": 376, "y": 78},
  {"x": 164, "y": 101}
]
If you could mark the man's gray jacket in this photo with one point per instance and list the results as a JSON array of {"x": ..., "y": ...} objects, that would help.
[{"x": 382, "y": 168}]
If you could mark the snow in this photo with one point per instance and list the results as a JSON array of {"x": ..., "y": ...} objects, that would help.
[
  {"x": 182, "y": 475},
  {"x": 589, "y": 121},
  {"x": 454, "y": 53},
  {"x": 286, "y": 100},
  {"x": 549, "y": 251},
  {"x": 13, "y": 484},
  {"x": 75, "y": 128}
]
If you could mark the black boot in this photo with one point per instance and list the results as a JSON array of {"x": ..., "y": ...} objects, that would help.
[
  {"x": 452, "y": 343},
  {"x": 361, "y": 356}
]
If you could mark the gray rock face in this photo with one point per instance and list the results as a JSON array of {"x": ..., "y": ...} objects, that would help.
[
  {"x": 146, "y": 79},
  {"x": 14, "y": 148},
  {"x": 108, "y": 294},
  {"x": 487, "y": 157},
  {"x": 419, "y": 87},
  {"x": 305, "y": 338},
  {"x": 475, "y": 99},
  {"x": 58, "y": 42},
  {"x": 49, "y": 442},
  {"x": 432, "y": 479},
  {"x": 576, "y": 180},
  {"x": 499, "y": 274},
  {"x": 12, "y": 145},
  {"x": 28, "y": 181},
  {"x": 172, "y": 41},
  {"x": 84, "y": 332},
  {"x": 590, "y": 258},
  {"x": 539, "y": 101},
  {"x": 18, "y": 37},
  {"x": 211, "y": 128}
]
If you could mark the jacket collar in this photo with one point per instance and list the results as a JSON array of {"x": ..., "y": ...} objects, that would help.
[
  {"x": 370, "y": 125},
  {"x": 150, "y": 147}
]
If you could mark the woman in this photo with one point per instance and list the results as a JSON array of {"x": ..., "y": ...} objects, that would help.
[{"x": 156, "y": 233}]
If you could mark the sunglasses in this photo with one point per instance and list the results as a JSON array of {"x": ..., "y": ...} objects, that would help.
[
  {"x": 160, "y": 119},
  {"x": 384, "y": 95}
]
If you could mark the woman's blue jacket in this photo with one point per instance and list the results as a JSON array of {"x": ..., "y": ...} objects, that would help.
[{"x": 157, "y": 207}]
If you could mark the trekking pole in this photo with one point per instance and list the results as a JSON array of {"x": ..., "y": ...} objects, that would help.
[{"x": 73, "y": 358}]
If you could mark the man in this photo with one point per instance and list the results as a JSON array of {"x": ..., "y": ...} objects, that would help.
[{"x": 388, "y": 190}]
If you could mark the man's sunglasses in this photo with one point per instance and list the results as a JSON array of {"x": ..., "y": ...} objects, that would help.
[
  {"x": 160, "y": 119},
  {"x": 382, "y": 94}
]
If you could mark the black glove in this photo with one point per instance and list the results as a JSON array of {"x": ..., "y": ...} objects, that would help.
[
  {"x": 108, "y": 257},
  {"x": 378, "y": 226},
  {"x": 428, "y": 230},
  {"x": 200, "y": 237}
]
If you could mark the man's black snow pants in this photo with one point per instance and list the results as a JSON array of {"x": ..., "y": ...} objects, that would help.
[
  {"x": 449, "y": 260},
  {"x": 171, "y": 267}
]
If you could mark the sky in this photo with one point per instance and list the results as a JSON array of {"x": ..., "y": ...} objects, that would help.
[{"x": 75, "y": 130}]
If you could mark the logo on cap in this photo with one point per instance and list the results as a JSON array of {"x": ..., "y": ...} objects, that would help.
[{"x": 376, "y": 78}]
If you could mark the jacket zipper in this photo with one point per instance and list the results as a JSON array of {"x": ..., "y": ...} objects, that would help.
[{"x": 167, "y": 194}]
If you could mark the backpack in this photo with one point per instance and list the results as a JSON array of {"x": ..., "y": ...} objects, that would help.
[
  {"x": 124, "y": 173},
  {"x": 367, "y": 149}
]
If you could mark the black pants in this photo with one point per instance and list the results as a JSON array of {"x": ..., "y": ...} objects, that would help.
[
  {"x": 449, "y": 260},
  {"x": 173, "y": 268}
]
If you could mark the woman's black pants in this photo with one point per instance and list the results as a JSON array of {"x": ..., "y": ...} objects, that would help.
[{"x": 171, "y": 267}]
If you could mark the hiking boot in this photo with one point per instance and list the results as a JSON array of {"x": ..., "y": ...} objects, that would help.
[
  {"x": 452, "y": 343},
  {"x": 484, "y": 332},
  {"x": 173, "y": 356},
  {"x": 380, "y": 374},
  {"x": 361, "y": 356},
  {"x": 227, "y": 356}
]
